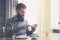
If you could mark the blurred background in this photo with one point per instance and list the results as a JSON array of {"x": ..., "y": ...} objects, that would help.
[{"x": 45, "y": 13}]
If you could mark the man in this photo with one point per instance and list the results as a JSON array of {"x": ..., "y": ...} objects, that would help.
[{"x": 18, "y": 24}]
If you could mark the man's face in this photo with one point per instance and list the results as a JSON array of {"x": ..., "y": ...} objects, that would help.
[{"x": 21, "y": 11}]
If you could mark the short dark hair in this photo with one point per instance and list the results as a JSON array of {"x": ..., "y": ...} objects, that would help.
[{"x": 20, "y": 5}]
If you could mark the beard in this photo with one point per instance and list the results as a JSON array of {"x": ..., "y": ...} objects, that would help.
[{"x": 20, "y": 17}]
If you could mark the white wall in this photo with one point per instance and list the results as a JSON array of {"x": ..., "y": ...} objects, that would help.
[
  {"x": 55, "y": 19},
  {"x": 54, "y": 14}
]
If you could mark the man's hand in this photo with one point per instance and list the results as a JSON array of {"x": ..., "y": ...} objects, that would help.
[
  {"x": 34, "y": 27},
  {"x": 23, "y": 27}
]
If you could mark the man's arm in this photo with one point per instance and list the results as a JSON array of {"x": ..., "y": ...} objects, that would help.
[
  {"x": 29, "y": 32},
  {"x": 8, "y": 29}
]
